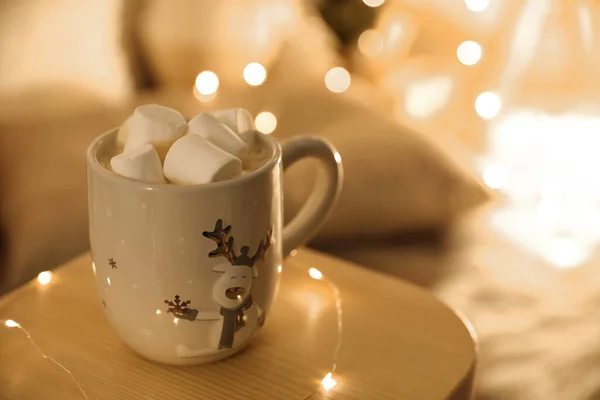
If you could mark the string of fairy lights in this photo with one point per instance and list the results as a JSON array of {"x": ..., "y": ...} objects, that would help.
[{"x": 327, "y": 383}]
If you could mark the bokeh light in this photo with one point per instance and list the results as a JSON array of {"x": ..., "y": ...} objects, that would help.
[
  {"x": 255, "y": 74},
  {"x": 494, "y": 176},
  {"x": 370, "y": 42},
  {"x": 469, "y": 52},
  {"x": 207, "y": 83},
  {"x": 477, "y": 5},
  {"x": 487, "y": 105},
  {"x": 265, "y": 122},
  {"x": 373, "y": 3},
  {"x": 337, "y": 80},
  {"x": 424, "y": 98}
]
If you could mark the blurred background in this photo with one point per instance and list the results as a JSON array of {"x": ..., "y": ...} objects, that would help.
[{"x": 469, "y": 132}]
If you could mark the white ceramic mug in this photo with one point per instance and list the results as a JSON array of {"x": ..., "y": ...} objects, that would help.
[{"x": 187, "y": 274}]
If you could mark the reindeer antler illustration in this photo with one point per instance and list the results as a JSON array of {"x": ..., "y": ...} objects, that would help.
[
  {"x": 263, "y": 246},
  {"x": 224, "y": 244}
]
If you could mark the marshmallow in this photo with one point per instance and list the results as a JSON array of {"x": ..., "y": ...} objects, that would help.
[
  {"x": 193, "y": 160},
  {"x": 213, "y": 130},
  {"x": 141, "y": 163},
  {"x": 156, "y": 125},
  {"x": 238, "y": 120}
]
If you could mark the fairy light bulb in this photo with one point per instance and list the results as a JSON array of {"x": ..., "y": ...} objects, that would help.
[
  {"x": 328, "y": 382},
  {"x": 9, "y": 323},
  {"x": 279, "y": 268},
  {"x": 44, "y": 278},
  {"x": 265, "y": 122},
  {"x": 207, "y": 83},
  {"x": 255, "y": 74},
  {"x": 370, "y": 42},
  {"x": 477, "y": 5},
  {"x": 487, "y": 105},
  {"x": 469, "y": 52},
  {"x": 337, "y": 79},
  {"x": 494, "y": 176},
  {"x": 373, "y": 3},
  {"x": 315, "y": 273}
]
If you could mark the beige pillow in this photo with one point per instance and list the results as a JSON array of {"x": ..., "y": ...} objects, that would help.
[
  {"x": 395, "y": 179},
  {"x": 43, "y": 207},
  {"x": 63, "y": 42}
]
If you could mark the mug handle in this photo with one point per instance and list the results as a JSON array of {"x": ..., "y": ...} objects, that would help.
[{"x": 325, "y": 192}]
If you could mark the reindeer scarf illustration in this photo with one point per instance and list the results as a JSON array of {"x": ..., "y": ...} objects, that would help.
[{"x": 232, "y": 289}]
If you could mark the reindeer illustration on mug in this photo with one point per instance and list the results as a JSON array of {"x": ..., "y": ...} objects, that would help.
[{"x": 238, "y": 314}]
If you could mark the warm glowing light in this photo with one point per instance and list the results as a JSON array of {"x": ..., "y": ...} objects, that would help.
[
  {"x": 337, "y": 157},
  {"x": 207, "y": 83},
  {"x": 279, "y": 268},
  {"x": 469, "y": 52},
  {"x": 487, "y": 105},
  {"x": 373, "y": 3},
  {"x": 566, "y": 253},
  {"x": 176, "y": 321},
  {"x": 11, "y": 324},
  {"x": 94, "y": 268},
  {"x": 494, "y": 176},
  {"x": 426, "y": 97},
  {"x": 477, "y": 5},
  {"x": 158, "y": 312},
  {"x": 545, "y": 166},
  {"x": 265, "y": 122},
  {"x": 337, "y": 80},
  {"x": 44, "y": 278},
  {"x": 328, "y": 382},
  {"x": 370, "y": 42},
  {"x": 315, "y": 273},
  {"x": 108, "y": 281},
  {"x": 255, "y": 74}
]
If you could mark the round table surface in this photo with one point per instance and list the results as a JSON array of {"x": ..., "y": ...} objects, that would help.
[{"x": 398, "y": 342}]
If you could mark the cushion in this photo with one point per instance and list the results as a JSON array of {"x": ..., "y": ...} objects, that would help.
[
  {"x": 43, "y": 207},
  {"x": 71, "y": 42},
  {"x": 395, "y": 179}
]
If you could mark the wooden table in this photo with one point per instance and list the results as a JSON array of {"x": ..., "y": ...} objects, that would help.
[{"x": 399, "y": 342}]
